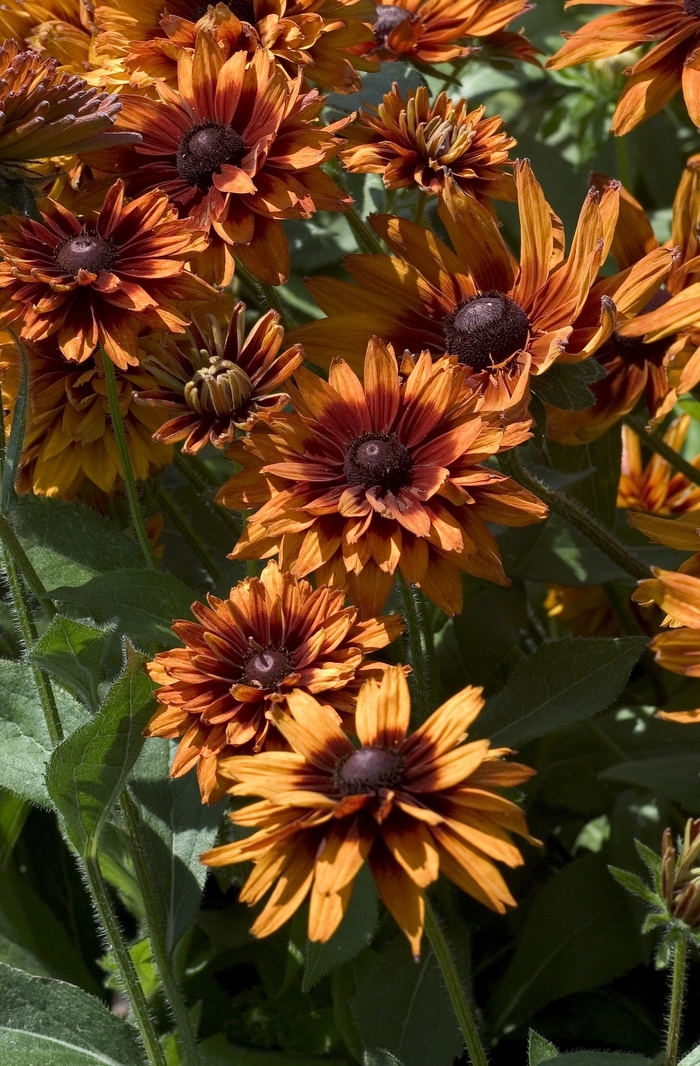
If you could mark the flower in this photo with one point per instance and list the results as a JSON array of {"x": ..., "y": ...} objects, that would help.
[
  {"x": 656, "y": 353},
  {"x": 656, "y": 487},
  {"x": 680, "y": 875},
  {"x": 435, "y": 31},
  {"x": 409, "y": 141},
  {"x": 320, "y": 36},
  {"x": 365, "y": 479},
  {"x": 237, "y": 150},
  {"x": 215, "y": 385},
  {"x": 660, "y": 73},
  {"x": 501, "y": 319},
  {"x": 676, "y": 648},
  {"x": 243, "y": 657},
  {"x": 411, "y": 806},
  {"x": 97, "y": 280},
  {"x": 46, "y": 112},
  {"x": 68, "y": 443},
  {"x": 586, "y": 609},
  {"x": 58, "y": 29}
]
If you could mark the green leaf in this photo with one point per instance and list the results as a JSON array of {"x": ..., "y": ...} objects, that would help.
[
  {"x": 144, "y": 603},
  {"x": 404, "y": 1007},
  {"x": 67, "y": 543},
  {"x": 634, "y": 884},
  {"x": 78, "y": 656},
  {"x": 564, "y": 681},
  {"x": 692, "y": 1059},
  {"x": 49, "y": 1023},
  {"x": 579, "y": 933},
  {"x": 475, "y": 642},
  {"x": 599, "y": 462},
  {"x": 599, "y": 1058},
  {"x": 89, "y": 769},
  {"x": 15, "y": 443},
  {"x": 676, "y": 776},
  {"x": 351, "y": 937},
  {"x": 216, "y": 1051},
  {"x": 18, "y": 194},
  {"x": 25, "y": 744},
  {"x": 539, "y": 1050},
  {"x": 565, "y": 385},
  {"x": 175, "y": 828},
  {"x": 380, "y": 1058}
]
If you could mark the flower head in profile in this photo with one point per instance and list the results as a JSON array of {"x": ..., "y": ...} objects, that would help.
[
  {"x": 213, "y": 384},
  {"x": 322, "y": 37},
  {"x": 655, "y": 354},
  {"x": 237, "y": 149},
  {"x": 365, "y": 479},
  {"x": 97, "y": 279},
  {"x": 413, "y": 142},
  {"x": 655, "y": 78},
  {"x": 69, "y": 446},
  {"x": 411, "y": 806},
  {"x": 585, "y": 610},
  {"x": 503, "y": 319},
  {"x": 242, "y": 658},
  {"x": 58, "y": 29},
  {"x": 655, "y": 486}
]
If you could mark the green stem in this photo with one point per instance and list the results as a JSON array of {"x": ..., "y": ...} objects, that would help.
[
  {"x": 367, "y": 239},
  {"x": 675, "y": 1013},
  {"x": 454, "y": 987},
  {"x": 15, "y": 549},
  {"x": 163, "y": 961},
  {"x": 420, "y": 207},
  {"x": 419, "y": 678},
  {"x": 115, "y": 937},
  {"x": 13, "y": 815},
  {"x": 165, "y": 500},
  {"x": 267, "y": 295},
  {"x": 125, "y": 460},
  {"x": 658, "y": 445},
  {"x": 29, "y": 636},
  {"x": 623, "y": 163},
  {"x": 577, "y": 515}
]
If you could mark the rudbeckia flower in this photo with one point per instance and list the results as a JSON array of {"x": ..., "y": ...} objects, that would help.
[
  {"x": 412, "y": 806},
  {"x": 678, "y": 594},
  {"x": 656, "y": 487},
  {"x": 365, "y": 479},
  {"x": 502, "y": 319},
  {"x": 242, "y": 658},
  {"x": 656, "y": 77},
  {"x": 655, "y": 354},
  {"x": 586, "y": 610},
  {"x": 96, "y": 280},
  {"x": 213, "y": 384},
  {"x": 237, "y": 149},
  {"x": 69, "y": 445},
  {"x": 413, "y": 142},
  {"x": 58, "y": 29}
]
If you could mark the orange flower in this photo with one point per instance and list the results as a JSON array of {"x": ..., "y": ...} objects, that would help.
[
  {"x": 435, "y": 31},
  {"x": 69, "y": 444},
  {"x": 59, "y": 29},
  {"x": 660, "y": 73},
  {"x": 219, "y": 384},
  {"x": 656, "y": 487},
  {"x": 678, "y": 648},
  {"x": 237, "y": 149},
  {"x": 411, "y": 806},
  {"x": 656, "y": 353},
  {"x": 95, "y": 281},
  {"x": 317, "y": 35},
  {"x": 413, "y": 142},
  {"x": 586, "y": 609},
  {"x": 365, "y": 479},
  {"x": 243, "y": 657},
  {"x": 501, "y": 319}
]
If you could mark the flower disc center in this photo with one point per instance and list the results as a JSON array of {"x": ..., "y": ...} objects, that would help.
[
  {"x": 205, "y": 149},
  {"x": 388, "y": 18},
  {"x": 377, "y": 459},
  {"x": 692, "y": 7},
  {"x": 369, "y": 769},
  {"x": 485, "y": 330},
  {"x": 633, "y": 348},
  {"x": 242, "y": 9},
  {"x": 87, "y": 251},
  {"x": 267, "y": 668},
  {"x": 219, "y": 389}
]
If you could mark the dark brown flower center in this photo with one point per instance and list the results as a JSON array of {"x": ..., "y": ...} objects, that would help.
[
  {"x": 388, "y": 18},
  {"x": 87, "y": 251},
  {"x": 485, "y": 330},
  {"x": 692, "y": 7},
  {"x": 267, "y": 668},
  {"x": 205, "y": 149},
  {"x": 377, "y": 459},
  {"x": 219, "y": 389},
  {"x": 634, "y": 349},
  {"x": 367, "y": 770},
  {"x": 242, "y": 9}
]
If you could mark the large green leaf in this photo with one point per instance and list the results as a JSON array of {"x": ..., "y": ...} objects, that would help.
[
  {"x": 80, "y": 656},
  {"x": 579, "y": 933},
  {"x": 90, "y": 768},
  {"x": 49, "y": 1023},
  {"x": 475, "y": 642},
  {"x": 143, "y": 602},
  {"x": 565, "y": 681},
  {"x": 353, "y": 934},
  {"x": 403, "y": 1007},
  {"x": 175, "y": 827},
  {"x": 676, "y": 776},
  {"x": 25, "y": 744},
  {"x": 597, "y": 490}
]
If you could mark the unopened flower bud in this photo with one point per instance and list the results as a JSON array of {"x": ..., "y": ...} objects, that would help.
[
  {"x": 680, "y": 875},
  {"x": 219, "y": 389}
]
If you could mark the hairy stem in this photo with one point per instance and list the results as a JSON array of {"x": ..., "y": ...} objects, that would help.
[
  {"x": 416, "y": 634},
  {"x": 267, "y": 295},
  {"x": 125, "y": 460},
  {"x": 163, "y": 961},
  {"x": 454, "y": 987},
  {"x": 420, "y": 207},
  {"x": 675, "y": 1012},
  {"x": 659, "y": 445},
  {"x": 14, "y": 548},
  {"x": 367, "y": 240}
]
